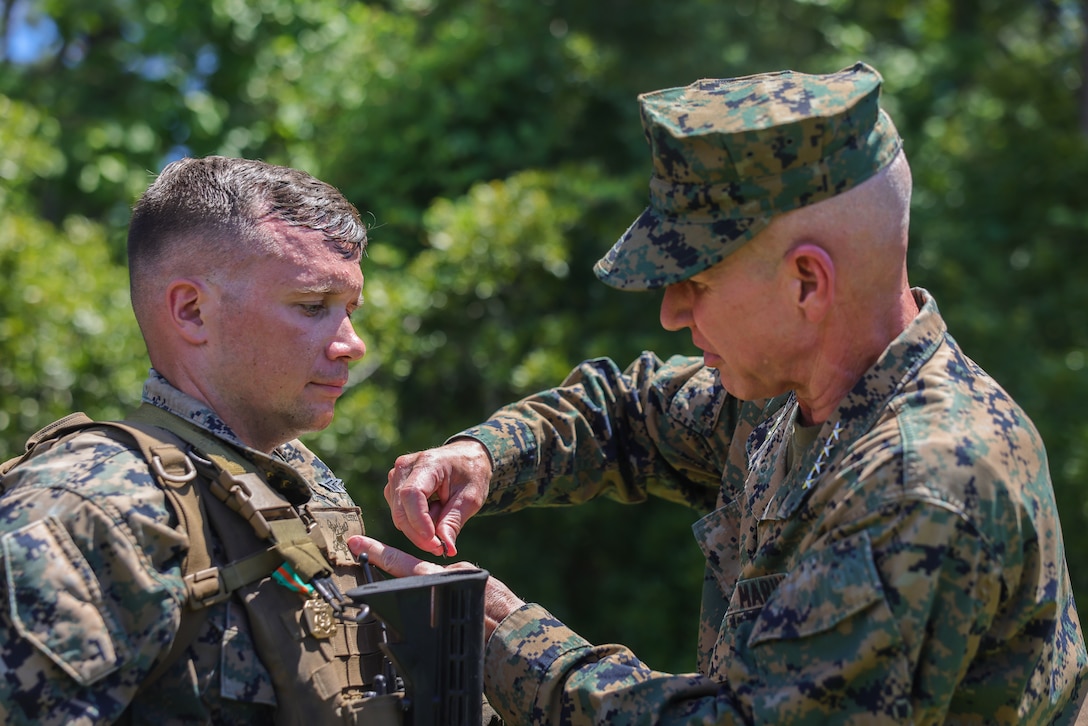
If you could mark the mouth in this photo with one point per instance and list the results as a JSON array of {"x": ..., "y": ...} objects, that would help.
[
  {"x": 333, "y": 387},
  {"x": 710, "y": 358}
]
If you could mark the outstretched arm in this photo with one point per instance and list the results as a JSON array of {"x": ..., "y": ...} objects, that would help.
[{"x": 659, "y": 429}]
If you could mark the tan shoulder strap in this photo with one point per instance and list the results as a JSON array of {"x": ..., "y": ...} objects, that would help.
[
  {"x": 59, "y": 428},
  {"x": 205, "y": 584},
  {"x": 49, "y": 434},
  {"x": 165, "y": 453},
  {"x": 238, "y": 484}
]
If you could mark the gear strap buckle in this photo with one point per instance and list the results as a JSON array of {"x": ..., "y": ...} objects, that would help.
[
  {"x": 248, "y": 495},
  {"x": 206, "y": 587}
]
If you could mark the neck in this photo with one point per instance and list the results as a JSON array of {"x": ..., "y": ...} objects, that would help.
[{"x": 850, "y": 348}]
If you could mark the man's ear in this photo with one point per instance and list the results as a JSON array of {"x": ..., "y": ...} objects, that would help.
[
  {"x": 812, "y": 273},
  {"x": 187, "y": 300}
]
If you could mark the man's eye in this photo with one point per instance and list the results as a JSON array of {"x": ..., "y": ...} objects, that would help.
[
  {"x": 313, "y": 309},
  {"x": 351, "y": 309}
]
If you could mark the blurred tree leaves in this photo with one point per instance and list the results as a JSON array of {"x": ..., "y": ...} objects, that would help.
[
  {"x": 62, "y": 298},
  {"x": 496, "y": 146}
]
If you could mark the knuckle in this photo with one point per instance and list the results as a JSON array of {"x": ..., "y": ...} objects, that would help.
[
  {"x": 474, "y": 498},
  {"x": 404, "y": 464}
]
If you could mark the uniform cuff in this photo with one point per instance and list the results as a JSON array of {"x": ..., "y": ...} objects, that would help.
[
  {"x": 510, "y": 443},
  {"x": 518, "y": 660}
]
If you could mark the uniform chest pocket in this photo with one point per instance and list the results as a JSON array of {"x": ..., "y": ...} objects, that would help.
[
  {"x": 823, "y": 640},
  {"x": 824, "y": 590}
]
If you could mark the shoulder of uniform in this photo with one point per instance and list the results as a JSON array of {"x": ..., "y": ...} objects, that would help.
[
  {"x": 93, "y": 460},
  {"x": 89, "y": 478},
  {"x": 692, "y": 391}
]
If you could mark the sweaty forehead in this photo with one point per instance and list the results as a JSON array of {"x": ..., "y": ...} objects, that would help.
[{"x": 301, "y": 243}]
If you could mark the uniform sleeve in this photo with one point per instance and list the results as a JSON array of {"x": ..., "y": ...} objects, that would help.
[
  {"x": 537, "y": 670},
  {"x": 656, "y": 428},
  {"x": 91, "y": 585},
  {"x": 873, "y": 624}
]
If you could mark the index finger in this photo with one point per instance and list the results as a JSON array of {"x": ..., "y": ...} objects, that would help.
[
  {"x": 409, "y": 490},
  {"x": 389, "y": 559}
]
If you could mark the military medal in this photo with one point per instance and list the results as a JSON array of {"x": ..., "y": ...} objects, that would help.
[
  {"x": 317, "y": 613},
  {"x": 319, "y": 617}
]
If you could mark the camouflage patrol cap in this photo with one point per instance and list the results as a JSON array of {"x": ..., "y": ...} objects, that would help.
[{"x": 731, "y": 154}]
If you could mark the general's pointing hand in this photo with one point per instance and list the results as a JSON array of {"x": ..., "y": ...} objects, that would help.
[{"x": 432, "y": 493}]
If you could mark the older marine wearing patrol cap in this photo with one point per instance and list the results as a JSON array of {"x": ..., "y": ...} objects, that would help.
[{"x": 881, "y": 539}]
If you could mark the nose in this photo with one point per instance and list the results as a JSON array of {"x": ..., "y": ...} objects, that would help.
[
  {"x": 347, "y": 345},
  {"x": 676, "y": 307}
]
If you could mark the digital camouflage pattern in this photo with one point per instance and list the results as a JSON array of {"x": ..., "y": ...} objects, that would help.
[
  {"x": 908, "y": 567},
  {"x": 90, "y": 558},
  {"x": 731, "y": 154}
]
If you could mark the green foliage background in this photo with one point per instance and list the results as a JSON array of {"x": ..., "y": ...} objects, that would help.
[{"x": 497, "y": 148}]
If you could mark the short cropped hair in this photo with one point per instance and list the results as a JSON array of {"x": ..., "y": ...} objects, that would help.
[{"x": 211, "y": 208}]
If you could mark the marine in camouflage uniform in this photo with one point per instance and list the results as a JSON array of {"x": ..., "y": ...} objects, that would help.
[
  {"x": 900, "y": 561},
  {"x": 92, "y": 561},
  {"x": 907, "y": 568},
  {"x": 92, "y": 552}
]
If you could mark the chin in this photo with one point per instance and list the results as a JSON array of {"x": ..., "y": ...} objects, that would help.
[
  {"x": 312, "y": 423},
  {"x": 322, "y": 422},
  {"x": 736, "y": 388}
]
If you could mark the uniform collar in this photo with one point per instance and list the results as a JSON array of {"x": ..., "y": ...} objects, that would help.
[
  {"x": 896, "y": 366},
  {"x": 161, "y": 393},
  {"x": 859, "y": 410}
]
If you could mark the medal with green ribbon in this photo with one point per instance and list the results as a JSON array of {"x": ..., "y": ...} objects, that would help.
[{"x": 317, "y": 613}]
